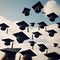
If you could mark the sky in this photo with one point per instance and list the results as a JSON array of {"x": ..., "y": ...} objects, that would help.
[
  {"x": 43, "y": 39},
  {"x": 11, "y": 13},
  {"x": 12, "y": 10}
]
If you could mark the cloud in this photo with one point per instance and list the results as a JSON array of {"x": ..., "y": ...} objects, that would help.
[
  {"x": 45, "y": 38},
  {"x": 14, "y": 29},
  {"x": 52, "y": 6}
]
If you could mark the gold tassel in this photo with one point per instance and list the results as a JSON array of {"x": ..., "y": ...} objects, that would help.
[
  {"x": 32, "y": 36},
  {"x": 7, "y": 31},
  {"x": 12, "y": 45},
  {"x": 27, "y": 29}
]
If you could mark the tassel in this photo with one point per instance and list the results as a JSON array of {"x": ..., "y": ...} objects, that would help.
[
  {"x": 32, "y": 36},
  {"x": 12, "y": 45},
  {"x": 27, "y": 29},
  {"x": 46, "y": 51},
  {"x": 20, "y": 57},
  {"x": 32, "y": 47},
  {"x": 38, "y": 28},
  {"x": 45, "y": 29},
  {"x": 7, "y": 31}
]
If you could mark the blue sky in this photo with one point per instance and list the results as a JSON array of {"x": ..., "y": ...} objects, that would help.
[{"x": 12, "y": 9}]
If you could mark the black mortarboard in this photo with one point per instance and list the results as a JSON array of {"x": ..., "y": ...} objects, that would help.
[
  {"x": 21, "y": 37},
  {"x": 53, "y": 56},
  {"x": 42, "y": 47},
  {"x": 32, "y": 24},
  {"x": 4, "y": 26},
  {"x": 37, "y": 7},
  {"x": 41, "y": 25},
  {"x": 58, "y": 24},
  {"x": 36, "y": 34},
  {"x": 32, "y": 43},
  {"x": 51, "y": 32},
  {"x": 22, "y": 25},
  {"x": 28, "y": 52},
  {"x": 55, "y": 44},
  {"x": 52, "y": 16},
  {"x": 7, "y": 41},
  {"x": 26, "y": 11},
  {"x": 10, "y": 53}
]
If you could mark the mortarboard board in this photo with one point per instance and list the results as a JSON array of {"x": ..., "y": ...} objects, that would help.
[
  {"x": 53, "y": 56},
  {"x": 36, "y": 34},
  {"x": 42, "y": 25},
  {"x": 4, "y": 26},
  {"x": 22, "y": 25},
  {"x": 51, "y": 32},
  {"x": 58, "y": 24},
  {"x": 52, "y": 16},
  {"x": 10, "y": 53},
  {"x": 21, "y": 37},
  {"x": 26, "y": 11},
  {"x": 37, "y": 7},
  {"x": 28, "y": 52},
  {"x": 55, "y": 44},
  {"x": 7, "y": 41},
  {"x": 42, "y": 47},
  {"x": 32, "y": 24},
  {"x": 32, "y": 43}
]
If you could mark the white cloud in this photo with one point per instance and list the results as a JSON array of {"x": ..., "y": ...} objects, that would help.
[
  {"x": 14, "y": 29},
  {"x": 52, "y": 6},
  {"x": 44, "y": 38}
]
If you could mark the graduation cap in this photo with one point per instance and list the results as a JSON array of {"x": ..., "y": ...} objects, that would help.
[
  {"x": 32, "y": 24},
  {"x": 58, "y": 24},
  {"x": 4, "y": 26},
  {"x": 36, "y": 34},
  {"x": 21, "y": 37},
  {"x": 22, "y": 25},
  {"x": 42, "y": 47},
  {"x": 10, "y": 53},
  {"x": 55, "y": 44},
  {"x": 53, "y": 56},
  {"x": 37, "y": 7},
  {"x": 32, "y": 43},
  {"x": 28, "y": 52},
  {"x": 41, "y": 25},
  {"x": 51, "y": 32},
  {"x": 52, "y": 16},
  {"x": 7, "y": 41},
  {"x": 26, "y": 11}
]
